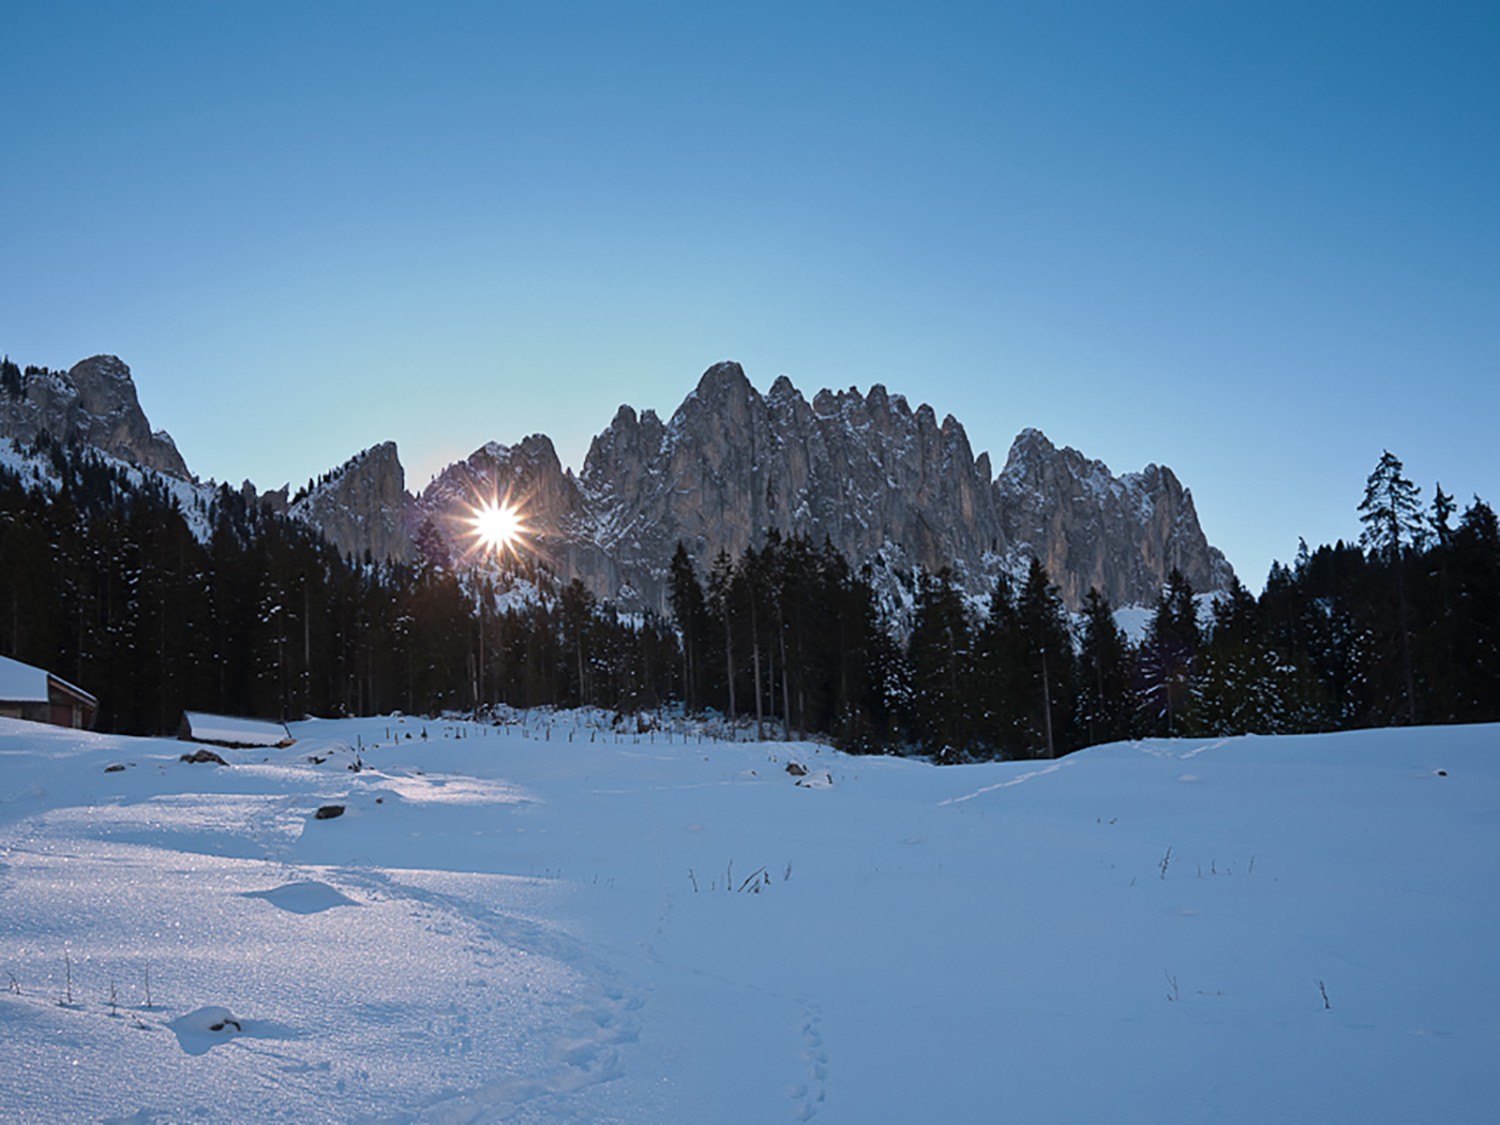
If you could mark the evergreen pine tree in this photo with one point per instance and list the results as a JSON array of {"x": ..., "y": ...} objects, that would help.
[
  {"x": 1001, "y": 674},
  {"x": 1392, "y": 514},
  {"x": 721, "y": 605},
  {"x": 1047, "y": 668},
  {"x": 1476, "y": 613},
  {"x": 940, "y": 655},
  {"x": 1104, "y": 710},
  {"x": 690, "y": 610},
  {"x": 1239, "y": 680},
  {"x": 1391, "y": 511},
  {"x": 1166, "y": 657},
  {"x": 1442, "y": 511},
  {"x": 11, "y": 381}
]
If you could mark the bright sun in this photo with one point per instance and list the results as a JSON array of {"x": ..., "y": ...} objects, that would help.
[{"x": 498, "y": 527}]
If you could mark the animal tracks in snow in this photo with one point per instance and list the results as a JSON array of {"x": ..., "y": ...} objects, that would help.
[
  {"x": 582, "y": 1012},
  {"x": 1018, "y": 780},
  {"x": 809, "y": 1094}
]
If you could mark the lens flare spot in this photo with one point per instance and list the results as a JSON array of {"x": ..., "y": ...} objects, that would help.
[{"x": 497, "y": 527}]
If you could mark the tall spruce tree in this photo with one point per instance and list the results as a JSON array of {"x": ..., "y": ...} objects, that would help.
[
  {"x": 940, "y": 656},
  {"x": 1392, "y": 514},
  {"x": 1391, "y": 511},
  {"x": 1476, "y": 613},
  {"x": 721, "y": 605},
  {"x": 1166, "y": 657},
  {"x": 690, "y": 610},
  {"x": 1436, "y": 644},
  {"x": 1001, "y": 676},
  {"x": 1047, "y": 669},
  {"x": 10, "y": 379},
  {"x": 1105, "y": 713}
]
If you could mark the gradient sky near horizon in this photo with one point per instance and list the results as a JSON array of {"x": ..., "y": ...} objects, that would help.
[{"x": 1257, "y": 242}]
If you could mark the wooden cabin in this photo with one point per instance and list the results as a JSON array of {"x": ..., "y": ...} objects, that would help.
[
  {"x": 232, "y": 731},
  {"x": 36, "y": 695}
]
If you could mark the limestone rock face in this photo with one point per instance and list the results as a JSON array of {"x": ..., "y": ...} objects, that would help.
[
  {"x": 883, "y": 482},
  {"x": 865, "y": 472},
  {"x": 93, "y": 403},
  {"x": 360, "y": 506},
  {"x": 1090, "y": 528}
]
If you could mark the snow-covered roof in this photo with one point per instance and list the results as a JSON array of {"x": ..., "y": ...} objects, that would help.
[
  {"x": 203, "y": 727},
  {"x": 21, "y": 682}
]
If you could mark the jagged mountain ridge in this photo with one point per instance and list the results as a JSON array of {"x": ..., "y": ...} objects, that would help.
[
  {"x": 883, "y": 482},
  {"x": 886, "y": 484},
  {"x": 1122, "y": 534}
]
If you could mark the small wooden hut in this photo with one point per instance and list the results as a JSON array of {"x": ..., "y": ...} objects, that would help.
[
  {"x": 232, "y": 731},
  {"x": 38, "y": 696}
]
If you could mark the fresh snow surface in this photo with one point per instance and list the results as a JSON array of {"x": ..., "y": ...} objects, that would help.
[
  {"x": 551, "y": 921},
  {"x": 21, "y": 683},
  {"x": 232, "y": 729}
]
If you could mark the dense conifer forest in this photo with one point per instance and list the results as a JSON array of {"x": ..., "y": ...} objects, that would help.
[{"x": 103, "y": 583}]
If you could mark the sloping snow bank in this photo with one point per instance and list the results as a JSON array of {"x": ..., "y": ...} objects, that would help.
[{"x": 543, "y": 923}]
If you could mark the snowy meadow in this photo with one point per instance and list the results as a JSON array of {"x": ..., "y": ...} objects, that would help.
[{"x": 554, "y": 920}]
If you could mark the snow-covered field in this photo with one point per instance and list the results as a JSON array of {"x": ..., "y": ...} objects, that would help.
[{"x": 524, "y": 924}]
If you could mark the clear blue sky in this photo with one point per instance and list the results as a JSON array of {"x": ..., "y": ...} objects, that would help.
[{"x": 1257, "y": 242}]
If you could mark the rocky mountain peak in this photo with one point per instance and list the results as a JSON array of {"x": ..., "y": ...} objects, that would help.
[
  {"x": 360, "y": 505},
  {"x": 783, "y": 388},
  {"x": 722, "y": 376},
  {"x": 88, "y": 371},
  {"x": 93, "y": 403},
  {"x": 722, "y": 388},
  {"x": 1121, "y": 534},
  {"x": 1029, "y": 445}
]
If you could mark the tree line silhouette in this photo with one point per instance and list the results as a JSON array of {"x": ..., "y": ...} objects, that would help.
[{"x": 103, "y": 582}]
